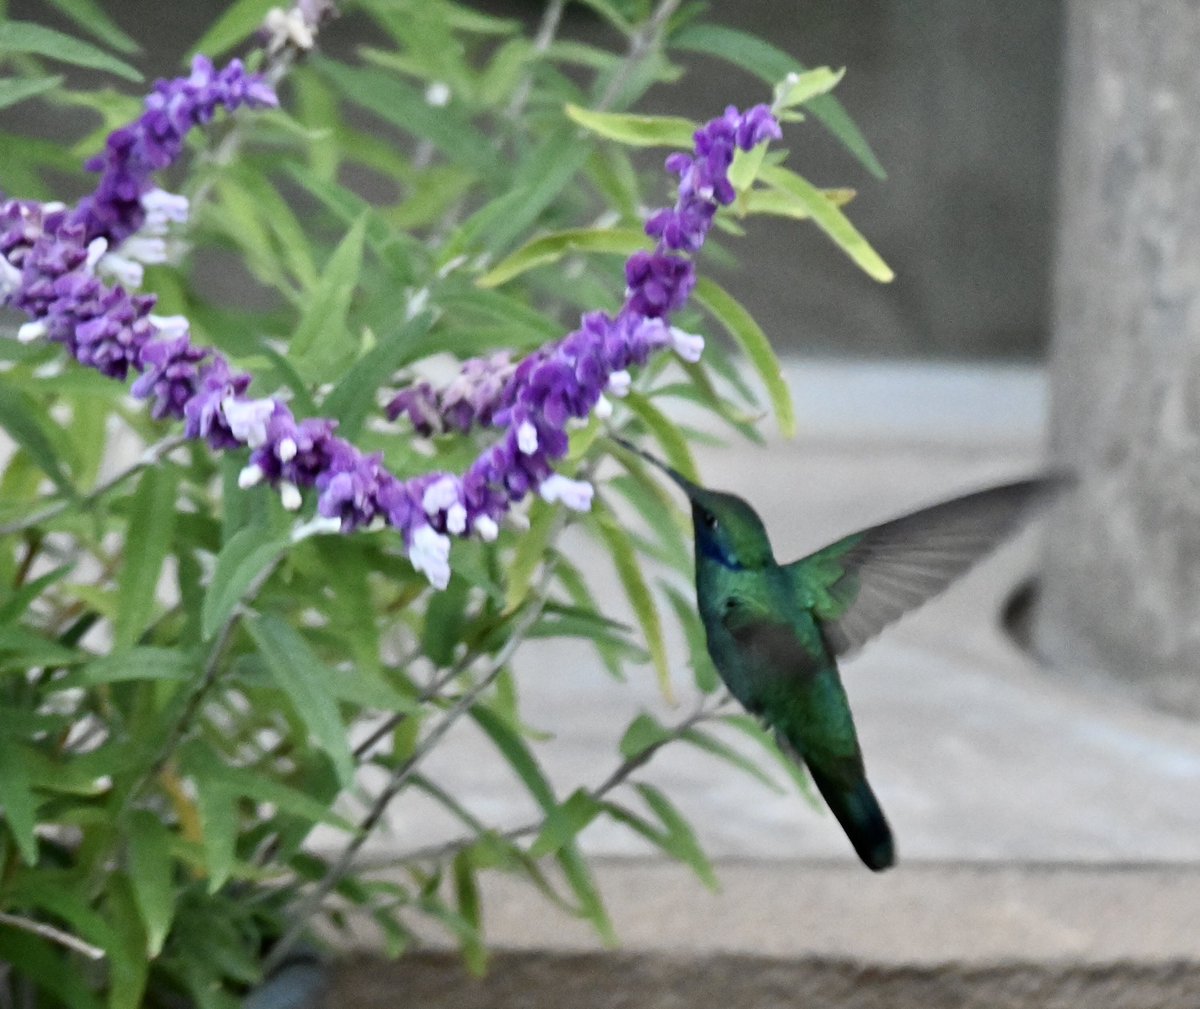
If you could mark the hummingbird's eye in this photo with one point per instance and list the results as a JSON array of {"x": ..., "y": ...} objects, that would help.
[{"x": 709, "y": 520}]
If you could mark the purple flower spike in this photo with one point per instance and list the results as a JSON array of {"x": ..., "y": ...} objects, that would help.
[{"x": 114, "y": 211}]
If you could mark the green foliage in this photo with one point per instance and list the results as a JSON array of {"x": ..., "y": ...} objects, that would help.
[{"x": 190, "y": 688}]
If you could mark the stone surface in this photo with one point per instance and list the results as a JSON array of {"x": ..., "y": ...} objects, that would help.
[{"x": 1123, "y": 566}]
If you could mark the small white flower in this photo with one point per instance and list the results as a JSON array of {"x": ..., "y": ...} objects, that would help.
[
  {"x": 31, "y": 331},
  {"x": 440, "y": 495},
  {"x": 289, "y": 495},
  {"x": 53, "y": 207},
  {"x": 527, "y": 438},
  {"x": 438, "y": 94},
  {"x": 603, "y": 408},
  {"x": 287, "y": 450},
  {"x": 10, "y": 278},
  {"x": 97, "y": 247},
  {"x": 147, "y": 249},
  {"x": 619, "y": 383},
  {"x": 318, "y": 525},
  {"x": 430, "y": 554},
  {"x": 161, "y": 206},
  {"x": 284, "y": 27},
  {"x": 456, "y": 519},
  {"x": 689, "y": 346},
  {"x": 170, "y": 326},
  {"x": 125, "y": 271},
  {"x": 250, "y": 476},
  {"x": 487, "y": 528},
  {"x": 417, "y": 300},
  {"x": 575, "y": 494},
  {"x": 247, "y": 418}
]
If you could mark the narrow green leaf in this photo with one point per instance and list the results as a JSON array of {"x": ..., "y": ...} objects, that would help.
[
  {"x": 680, "y": 839},
  {"x": 304, "y": 680},
  {"x": 240, "y": 19},
  {"x": 591, "y": 905},
  {"x": 219, "y": 822},
  {"x": 22, "y": 418},
  {"x": 150, "y": 870},
  {"x": 551, "y": 248},
  {"x": 42, "y": 963},
  {"x": 18, "y": 89},
  {"x": 741, "y": 326},
  {"x": 635, "y": 130},
  {"x": 800, "y": 88},
  {"x": 629, "y": 571},
  {"x": 781, "y": 204},
  {"x": 466, "y": 892},
  {"x": 751, "y": 727},
  {"x": 147, "y": 541},
  {"x": 17, "y": 798},
  {"x": 383, "y": 93},
  {"x": 518, "y": 755},
  {"x": 353, "y": 398},
  {"x": 644, "y": 733},
  {"x": 90, "y": 16},
  {"x": 240, "y": 561},
  {"x": 564, "y": 823},
  {"x": 772, "y": 65},
  {"x": 145, "y": 663},
  {"x": 723, "y": 751},
  {"x": 831, "y": 220},
  {"x": 529, "y": 555},
  {"x": 27, "y": 37},
  {"x": 128, "y": 967},
  {"x": 17, "y": 602},
  {"x": 674, "y": 445},
  {"x": 321, "y": 335}
]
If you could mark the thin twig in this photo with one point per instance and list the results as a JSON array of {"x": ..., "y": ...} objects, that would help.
[
  {"x": 545, "y": 36},
  {"x": 151, "y": 457},
  {"x": 400, "y": 777},
  {"x": 643, "y": 42},
  {"x": 618, "y": 776},
  {"x": 55, "y": 935}
]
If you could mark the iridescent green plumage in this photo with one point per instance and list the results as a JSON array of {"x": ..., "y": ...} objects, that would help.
[{"x": 775, "y": 631}]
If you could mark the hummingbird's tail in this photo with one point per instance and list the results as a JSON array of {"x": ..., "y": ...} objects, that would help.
[{"x": 861, "y": 817}]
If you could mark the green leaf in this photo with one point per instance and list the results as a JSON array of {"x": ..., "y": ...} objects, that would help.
[
  {"x": 674, "y": 445},
  {"x": 22, "y": 418},
  {"x": 240, "y": 19},
  {"x": 26, "y": 37},
  {"x": 239, "y": 563},
  {"x": 781, "y": 204},
  {"x": 564, "y": 822},
  {"x": 772, "y": 65},
  {"x": 466, "y": 893},
  {"x": 127, "y": 964},
  {"x": 517, "y": 754},
  {"x": 530, "y": 554},
  {"x": 353, "y": 398},
  {"x": 42, "y": 963},
  {"x": 800, "y": 88},
  {"x": 551, "y": 248},
  {"x": 383, "y": 93},
  {"x": 145, "y": 663},
  {"x": 831, "y": 220},
  {"x": 635, "y": 130},
  {"x": 723, "y": 751},
  {"x": 18, "y": 89},
  {"x": 17, "y": 798},
  {"x": 17, "y": 602},
  {"x": 644, "y": 733},
  {"x": 150, "y": 872},
  {"x": 629, "y": 571},
  {"x": 90, "y": 16},
  {"x": 741, "y": 326},
  {"x": 304, "y": 680},
  {"x": 147, "y": 540},
  {"x": 321, "y": 335},
  {"x": 680, "y": 839}
]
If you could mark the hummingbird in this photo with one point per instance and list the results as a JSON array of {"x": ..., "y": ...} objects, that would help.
[{"x": 776, "y": 631}]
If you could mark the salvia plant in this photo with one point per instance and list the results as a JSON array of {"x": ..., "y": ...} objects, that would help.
[{"x": 308, "y": 366}]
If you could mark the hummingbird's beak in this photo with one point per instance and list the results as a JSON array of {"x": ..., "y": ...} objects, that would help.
[{"x": 684, "y": 483}]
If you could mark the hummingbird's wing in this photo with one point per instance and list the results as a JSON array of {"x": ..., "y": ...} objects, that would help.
[{"x": 862, "y": 583}]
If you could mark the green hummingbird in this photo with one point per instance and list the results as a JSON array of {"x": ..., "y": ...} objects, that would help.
[{"x": 775, "y": 631}]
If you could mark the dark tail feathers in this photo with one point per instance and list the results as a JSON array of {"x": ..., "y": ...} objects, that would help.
[{"x": 858, "y": 811}]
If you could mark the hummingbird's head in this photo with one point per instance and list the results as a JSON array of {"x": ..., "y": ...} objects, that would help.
[{"x": 727, "y": 529}]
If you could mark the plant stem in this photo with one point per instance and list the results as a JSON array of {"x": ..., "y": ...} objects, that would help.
[
  {"x": 151, "y": 457},
  {"x": 55, "y": 935}
]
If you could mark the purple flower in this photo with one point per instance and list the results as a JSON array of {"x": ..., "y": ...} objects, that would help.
[
  {"x": 155, "y": 140},
  {"x": 170, "y": 374}
]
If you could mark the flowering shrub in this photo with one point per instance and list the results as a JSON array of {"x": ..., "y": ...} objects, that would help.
[{"x": 196, "y": 677}]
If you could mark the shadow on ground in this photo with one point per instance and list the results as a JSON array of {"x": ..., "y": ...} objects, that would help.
[{"x": 628, "y": 981}]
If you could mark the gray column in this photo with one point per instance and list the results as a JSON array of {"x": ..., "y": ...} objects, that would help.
[{"x": 1122, "y": 579}]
